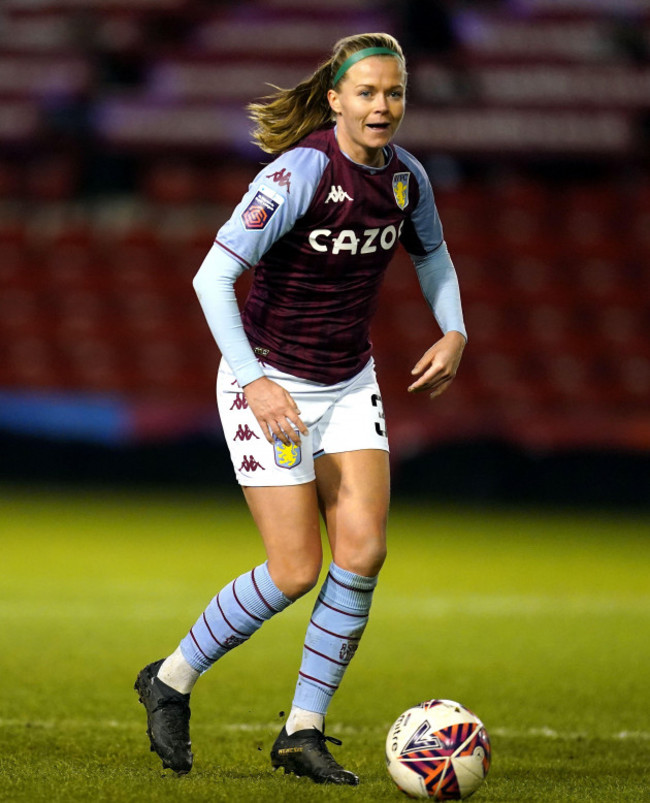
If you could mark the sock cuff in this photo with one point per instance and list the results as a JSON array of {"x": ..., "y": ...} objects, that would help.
[
  {"x": 311, "y": 697},
  {"x": 351, "y": 580},
  {"x": 193, "y": 656},
  {"x": 349, "y": 590},
  {"x": 261, "y": 595}
]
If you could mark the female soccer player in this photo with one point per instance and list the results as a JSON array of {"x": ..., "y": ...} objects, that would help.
[{"x": 297, "y": 391}]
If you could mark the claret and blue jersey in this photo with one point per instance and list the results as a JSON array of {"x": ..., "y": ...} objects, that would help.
[{"x": 320, "y": 231}]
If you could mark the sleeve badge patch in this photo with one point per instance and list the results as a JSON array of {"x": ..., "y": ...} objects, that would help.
[{"x": 261, "y": 209}]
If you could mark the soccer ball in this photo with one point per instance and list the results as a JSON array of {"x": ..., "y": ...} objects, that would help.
[{"x": 438, "y": 749}]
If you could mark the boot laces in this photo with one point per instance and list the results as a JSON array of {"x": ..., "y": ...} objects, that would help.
[{"x": 321, "y": 740}]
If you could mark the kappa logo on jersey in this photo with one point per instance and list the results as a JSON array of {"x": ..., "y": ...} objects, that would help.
[
  {"x": 401, "y": 189},
  {"x": 338, "y": 194},
  {"x": 286, "y": 455},
  {"x": 422, "y": 739},
  {"x": 348, "y": 240},
  {"x": 281, "y": 178},
  {"x": 261, "y": 209}
]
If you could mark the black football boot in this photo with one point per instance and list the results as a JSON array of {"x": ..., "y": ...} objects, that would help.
[
  {"x": 305, "y": 754},
  {"x": 168, "y": 719}
]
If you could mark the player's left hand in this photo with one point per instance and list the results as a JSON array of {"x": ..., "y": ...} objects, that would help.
[{"x": 438, "y": 365}]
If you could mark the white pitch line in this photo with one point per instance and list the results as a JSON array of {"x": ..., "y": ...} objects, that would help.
[
  {"x": 256, "y": 727},
  {"x": 550, "y": 733}
]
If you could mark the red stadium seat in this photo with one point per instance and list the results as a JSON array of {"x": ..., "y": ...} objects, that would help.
[{"x": 172, "y": 182}]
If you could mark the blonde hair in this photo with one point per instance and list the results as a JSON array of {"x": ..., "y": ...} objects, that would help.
[{"x": 286, "y": 116}]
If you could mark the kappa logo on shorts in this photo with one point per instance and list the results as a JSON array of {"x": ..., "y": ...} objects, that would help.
[
  {"x": 245, "y": 433},
  {"x": 286, "y": 455},
  {"x": 261, "y": 209},
  {"x": 240, "y": 402},
  {"x": 249, "y": 463}
]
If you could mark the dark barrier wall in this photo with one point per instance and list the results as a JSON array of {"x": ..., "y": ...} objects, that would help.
[{"x": 474, "y": 473}]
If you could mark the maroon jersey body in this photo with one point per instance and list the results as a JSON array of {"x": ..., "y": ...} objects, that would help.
[{"x": 319, "y": 231}]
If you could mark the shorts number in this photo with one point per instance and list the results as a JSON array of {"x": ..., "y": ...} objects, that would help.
[{"x": 380, "y": 425}]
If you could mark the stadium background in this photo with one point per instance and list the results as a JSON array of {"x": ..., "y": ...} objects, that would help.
[{"x": 124, "y": 145}]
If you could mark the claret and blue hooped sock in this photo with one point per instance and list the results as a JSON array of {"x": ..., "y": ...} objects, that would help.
[
  {"x": 231, "y": 618},
  {"x": 337, "y": 623}
]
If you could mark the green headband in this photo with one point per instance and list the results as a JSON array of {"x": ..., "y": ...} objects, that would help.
[{"x": 362, "y": 54}]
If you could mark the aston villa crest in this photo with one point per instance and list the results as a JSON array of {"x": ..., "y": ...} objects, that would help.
[
  {"x": 401, "y": 189},
  {"x": 287, "y": 455}
]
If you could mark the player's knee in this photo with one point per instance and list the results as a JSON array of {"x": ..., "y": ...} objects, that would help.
[
  {"x": 298, "y": 585},
  {"x": 365, "y": 560},
  {"x": 372, "y": 561},
  {"x": 297, "y": 579}
]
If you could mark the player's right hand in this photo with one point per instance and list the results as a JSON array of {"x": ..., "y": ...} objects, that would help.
[{"x": 275, "y": 410}]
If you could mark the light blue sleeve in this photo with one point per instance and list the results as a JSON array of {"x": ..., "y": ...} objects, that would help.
[
  {"x": 278, "y": 196},
  {"x": 425, "y": 217},
  {"x": 214, "y": 286},
  {"x": 439, "y": 284},
  {"x": 435, "y": 270}
]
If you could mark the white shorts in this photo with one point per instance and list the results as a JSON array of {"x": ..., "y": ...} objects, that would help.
[{"x": 344, "y": 417}]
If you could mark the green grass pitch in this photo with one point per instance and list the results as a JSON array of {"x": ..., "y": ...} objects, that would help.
[{"x": 539, "y": 621}]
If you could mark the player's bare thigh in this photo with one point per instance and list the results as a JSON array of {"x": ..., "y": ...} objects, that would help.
[
  {"x": 288, "y": 520},
  {"x": 354, "y": 493}
]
